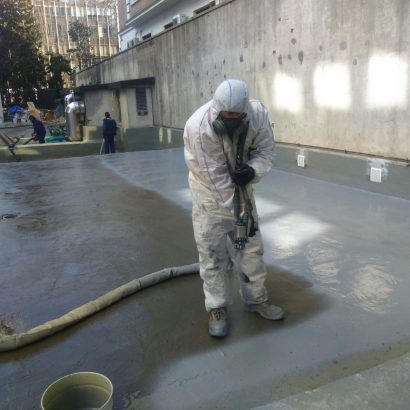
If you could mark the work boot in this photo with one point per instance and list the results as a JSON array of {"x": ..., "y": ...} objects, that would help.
[
  {"x": 218, "y": 322},
  {"x": 270, "y": 312}
]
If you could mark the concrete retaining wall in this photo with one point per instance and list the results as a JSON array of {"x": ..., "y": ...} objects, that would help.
[
  {"x": 34, "y": 152},
  {"x": 333, "y": 74},
  {"x": 340, "y": 168},
  {"x": 130, "y": 139}
]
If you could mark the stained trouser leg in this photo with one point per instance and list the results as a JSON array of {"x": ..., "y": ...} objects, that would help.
[
  {"x": 211, "y": 238},
  {"x": 252, "y": 271}
]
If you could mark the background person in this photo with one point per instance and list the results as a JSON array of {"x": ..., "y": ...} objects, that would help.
[
  {"x": 109, "y": 129},
  {"x": 39, "y": 132}
]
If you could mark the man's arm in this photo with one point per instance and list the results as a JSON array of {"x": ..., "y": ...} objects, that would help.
[{"x": 262, "y": 148}]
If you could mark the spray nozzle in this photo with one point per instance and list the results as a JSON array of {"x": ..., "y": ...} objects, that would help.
[{"x": 240, "y": 235}]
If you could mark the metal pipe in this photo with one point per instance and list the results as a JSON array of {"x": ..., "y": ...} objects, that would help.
[
  {"x": 69, "y": 98},
  {"x": 73, "y": 110}
]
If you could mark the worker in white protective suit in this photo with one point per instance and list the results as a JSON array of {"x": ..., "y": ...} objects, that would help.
[{"x": 229, "y": 146}]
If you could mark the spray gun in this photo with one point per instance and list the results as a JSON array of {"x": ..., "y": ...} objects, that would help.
[
  {"x": 245, "y": 226},
  {"x": 240, "y": 232}
]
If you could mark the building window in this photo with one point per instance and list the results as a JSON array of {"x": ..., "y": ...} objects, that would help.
[
  {"x": 142, "y": 105},
  {"x": 204, "y": 8},
  {"x": 169, "y": 25},
  {"x": 147, "y": 36}
]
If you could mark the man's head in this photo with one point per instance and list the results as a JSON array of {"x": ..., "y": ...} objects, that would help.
[
  {"x": 231, "y": 96},
  {"x": 107, "y": 115},
  {"x": 230, "y": 106}
]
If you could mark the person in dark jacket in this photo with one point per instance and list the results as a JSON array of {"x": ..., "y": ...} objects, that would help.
[
  {"x": 109, "y": 130},
  {"x": 39, "y": 130}
]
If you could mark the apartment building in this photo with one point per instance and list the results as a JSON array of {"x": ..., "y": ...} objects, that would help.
[
  {"x": 54, "y": 18},
  {"x": 141, "y": 19}
]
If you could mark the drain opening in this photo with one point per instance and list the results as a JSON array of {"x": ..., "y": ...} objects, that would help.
[{"x": 8, "y": 216}]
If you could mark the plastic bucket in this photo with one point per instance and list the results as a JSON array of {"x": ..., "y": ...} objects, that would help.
[{"x": 79, "y": 391}]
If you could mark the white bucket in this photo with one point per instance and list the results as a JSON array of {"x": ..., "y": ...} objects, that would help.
[{"x": 79, "y": 391}]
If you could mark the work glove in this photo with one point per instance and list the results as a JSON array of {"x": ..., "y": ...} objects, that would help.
[{"x": 243, "y": 175}]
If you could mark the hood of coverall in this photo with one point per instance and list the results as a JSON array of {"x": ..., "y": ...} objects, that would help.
[{"x": 232, "y": 96}]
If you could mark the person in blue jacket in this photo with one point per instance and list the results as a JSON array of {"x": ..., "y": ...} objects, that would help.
[
  {"x": 39, "y": 130},
  {"x": 109, "y": 130}
]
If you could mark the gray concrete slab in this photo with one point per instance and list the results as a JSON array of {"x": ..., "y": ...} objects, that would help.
[
  {"x": 338, "y": 261},
  {"x": 383, "y": 387}
]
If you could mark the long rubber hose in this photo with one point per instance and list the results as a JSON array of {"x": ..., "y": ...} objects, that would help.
[{"x": 12, "y": 342}]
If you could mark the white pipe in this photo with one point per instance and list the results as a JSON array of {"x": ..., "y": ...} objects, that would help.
[
  {"x": 72, "y": 111},
  {"x": 12, "y": 342},
  {"x": 68, "y": 99}
]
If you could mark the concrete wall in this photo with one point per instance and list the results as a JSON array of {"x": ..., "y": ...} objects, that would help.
[
  {"x": 129, "y": 109},
  {"x": 130, "y": 139},
  {"x": 97, "y": 103},
  {"x": 333, "y": 74},
  {"x": 34, "y": 152}
]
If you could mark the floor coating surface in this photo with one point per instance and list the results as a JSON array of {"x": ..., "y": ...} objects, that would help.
[{"x": 75, "y": 228}]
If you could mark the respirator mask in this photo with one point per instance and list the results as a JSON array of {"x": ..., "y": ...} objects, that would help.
[{"x": 223, "y": 126}]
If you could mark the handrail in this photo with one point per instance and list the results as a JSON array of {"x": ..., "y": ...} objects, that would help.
[{"x": 10, "y": 143}]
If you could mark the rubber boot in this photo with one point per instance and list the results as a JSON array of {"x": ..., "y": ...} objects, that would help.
[
  {"x": 267, "y": 311},
  {"x": 218, "y": 322}
]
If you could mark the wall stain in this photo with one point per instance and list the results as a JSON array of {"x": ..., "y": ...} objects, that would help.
[
  {"x": 300, "y": 56},
  {"x": 241, "y": 59},
  {"x": 343, "y": 45},
  {"x": 280, "y": 59},
  {"x": 355, "y": 61},
  {"x": 263, "y": 65},
  {"x": 293, "y": 41},
  {"x": 289, "y": 57}
]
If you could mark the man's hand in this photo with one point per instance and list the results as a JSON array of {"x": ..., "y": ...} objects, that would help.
[{"x": 243, "y": 175}]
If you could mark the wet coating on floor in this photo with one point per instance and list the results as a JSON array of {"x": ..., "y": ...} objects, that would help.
[{"x": 337, "y": 257}]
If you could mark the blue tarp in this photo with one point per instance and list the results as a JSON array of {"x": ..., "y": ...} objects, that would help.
[{"x": 15, "y": 109}]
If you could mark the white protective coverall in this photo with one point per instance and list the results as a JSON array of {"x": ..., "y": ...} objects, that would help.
[{"x": 212, "y": 189}]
